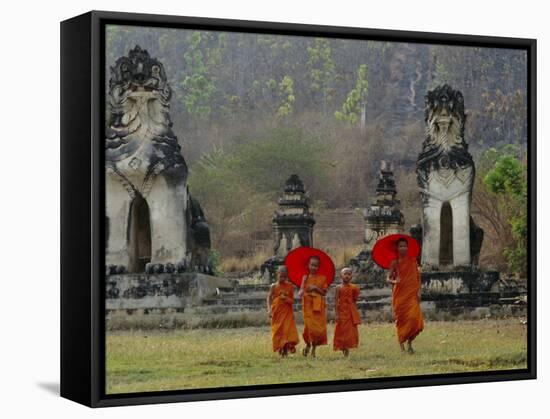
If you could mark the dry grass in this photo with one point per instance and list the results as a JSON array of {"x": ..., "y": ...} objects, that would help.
[
  {"x": 342, "y": 255},
  {"x": 218, "y": 317},
  {"x": 244, "y": 264},
  {"x": 190, "y": 319},
  {"x": 185, "y": 359}
]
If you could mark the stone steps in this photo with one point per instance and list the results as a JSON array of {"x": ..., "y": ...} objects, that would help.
[
  {"x": 215, "y": 295},
  {"x": 225, "y": 308},
  {"x": 251, "y": 288},
  {"x": 365, "y": 302},
  {"x": 261, "y": 300}
]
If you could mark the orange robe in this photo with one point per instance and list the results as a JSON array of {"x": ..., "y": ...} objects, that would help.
[
  {"x": 283, "y": 327},
  {"x": 406, "y": 307},
  {"x": 346, "y": 335},
  {"x": 314, "y": 310}
]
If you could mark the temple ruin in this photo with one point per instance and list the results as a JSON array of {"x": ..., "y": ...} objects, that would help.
[
  {"x": 292, "y": 223},
  {"x": 384, "y": 216}
]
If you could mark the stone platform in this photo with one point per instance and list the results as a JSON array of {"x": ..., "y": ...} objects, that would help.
[
  {"x": 375, "y": 298},
  {"x": 451, "y": 292}
]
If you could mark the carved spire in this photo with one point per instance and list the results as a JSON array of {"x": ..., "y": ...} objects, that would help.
[
  {"x": 294, "y": 202},
  {"x": 384, "y": 215},
  {"x": 293, "y": 221}
]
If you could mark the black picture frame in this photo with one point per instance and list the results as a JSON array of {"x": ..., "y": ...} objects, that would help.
[{"x": 83, "y": 203}]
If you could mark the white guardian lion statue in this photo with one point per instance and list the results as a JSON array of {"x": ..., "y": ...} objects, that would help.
[
  {"x": 153, "y": 224},
  {"x": 445, "y": 173}
]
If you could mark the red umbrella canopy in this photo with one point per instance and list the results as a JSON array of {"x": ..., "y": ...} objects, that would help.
[
  {"x": 297, "y": 262},
  {"x": 385, "y": 249}
]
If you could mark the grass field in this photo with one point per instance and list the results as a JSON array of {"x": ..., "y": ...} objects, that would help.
[{"x": 202, "y": 358}]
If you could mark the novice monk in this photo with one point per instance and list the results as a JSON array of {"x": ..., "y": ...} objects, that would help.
[
  {"x": 346, "y": 335},
  {"x": 280, "y": 300},
  {"x": 405, "y": 278},
  {"x": 312, "y": 292}
]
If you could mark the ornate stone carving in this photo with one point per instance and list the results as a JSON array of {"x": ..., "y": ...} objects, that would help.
[
  {"x": 445, "y": 173},
  {"x": 144, "y": 163},
  {"x": 384, "y": 215},
  {"x": 293, "y": 221}
]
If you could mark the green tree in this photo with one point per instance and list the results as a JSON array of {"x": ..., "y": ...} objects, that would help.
[
  {"x": 356, "y": 101},
  {"x": 203, "y": 55},
  {"x": 227, "y": 200},
  {"x": 321, "y": 71},
  {"x": 508, "y": 178},
  {"x": 439, "y": 71},
  {"x": 238, "y": 188},
  {"x": 286, "y": 92},
  {"x": 266, "y": 162}
]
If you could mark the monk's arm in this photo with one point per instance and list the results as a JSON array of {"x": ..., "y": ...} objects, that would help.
[
  {"x": 391, "y": 273},
  {"x": 269, "y": 300},
  {"x": 318, "y": 290},
  {"x": 301, "y": 292},
  {"x": 419, "y": 292},
  {"x": 336, "y": 292},
  {"x": 322, "y": 290}
]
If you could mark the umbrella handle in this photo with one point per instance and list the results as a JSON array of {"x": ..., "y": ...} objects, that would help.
[{"x": 302, "y": 286}]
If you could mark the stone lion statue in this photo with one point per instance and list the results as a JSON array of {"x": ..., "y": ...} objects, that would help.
[
  {"x": 445, "y": 173},
  {"x": 153, "y": 223}
]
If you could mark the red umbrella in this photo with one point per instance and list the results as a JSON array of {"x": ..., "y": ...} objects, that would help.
[
  {"x": 385, "y": 249},
  {"x": 297, "y": 262}
]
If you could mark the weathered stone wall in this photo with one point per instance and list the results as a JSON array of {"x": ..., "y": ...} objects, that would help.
[
  {"x": 460, "y": 282},
  {"x": 338, "y": 228},
  {"x": 161, "y": 291}
]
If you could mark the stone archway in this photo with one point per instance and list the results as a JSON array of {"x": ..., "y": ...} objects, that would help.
[
  {"x": 446, "y": 256},
  {"x": 139, "y": 235}
]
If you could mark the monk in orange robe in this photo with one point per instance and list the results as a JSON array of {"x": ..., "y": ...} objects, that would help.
[
  {"x": 405, "y": 278},
  {"x": 280, "y": 300},
  {"x": 347, "y": 318},
  {"x": 314, "y": 309}
]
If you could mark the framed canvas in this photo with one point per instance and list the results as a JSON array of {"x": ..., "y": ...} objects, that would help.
[{"x": 258, "y": 208}]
